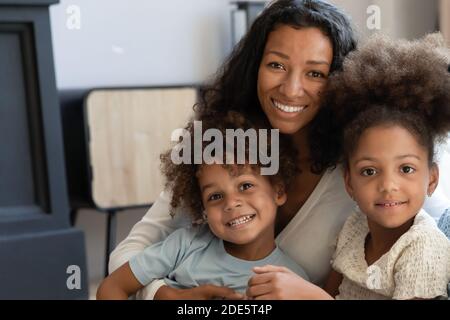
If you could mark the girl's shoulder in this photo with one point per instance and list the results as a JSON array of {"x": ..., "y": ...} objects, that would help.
[{"x": 423, "y": 238}]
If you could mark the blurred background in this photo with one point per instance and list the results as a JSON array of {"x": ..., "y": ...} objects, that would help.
[{"x": 178, "y": 43}]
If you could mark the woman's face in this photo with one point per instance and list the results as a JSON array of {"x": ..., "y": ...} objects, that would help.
[{"x": 293, "y": 70}]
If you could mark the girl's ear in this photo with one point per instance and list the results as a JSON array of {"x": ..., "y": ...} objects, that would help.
[
  {"x": 280, "y": 194},
  {"x": 433, "y": 179},
  {"x": 348, "y": 184}
]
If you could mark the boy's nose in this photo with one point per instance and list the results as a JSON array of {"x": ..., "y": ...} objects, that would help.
[{"x": 232, "y": 203}]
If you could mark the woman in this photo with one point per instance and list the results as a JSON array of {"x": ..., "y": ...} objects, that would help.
[{"x": 275, "y": 75}]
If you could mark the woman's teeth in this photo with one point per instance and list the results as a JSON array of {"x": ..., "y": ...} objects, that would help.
[
  {"x": 286, "y": 108},
  {"x": 240, "y": 220}
]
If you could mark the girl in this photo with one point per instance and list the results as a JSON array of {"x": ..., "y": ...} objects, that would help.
[
  {"x": 239, "y": 207},
  {"x": 390, "y": 248}
]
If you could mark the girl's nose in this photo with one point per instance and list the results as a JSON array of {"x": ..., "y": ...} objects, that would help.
[{"x": 388, "y": 184}]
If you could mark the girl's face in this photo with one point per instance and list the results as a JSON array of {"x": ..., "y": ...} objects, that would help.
[
  {"x": 293, "y": 70},
  {"x": 240, "y": 207},
  {"x": 389, "y": 175}
]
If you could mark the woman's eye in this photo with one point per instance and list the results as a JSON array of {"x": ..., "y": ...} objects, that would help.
[
  {"x": 316, "y": 74},
  {"x": 368, "y": 172},
  {"x": 215, "y": 196},
  {"x": 276, "y": 65},
  {"x": 245, "y": 186},
  {"x": 407, "y": 169}
]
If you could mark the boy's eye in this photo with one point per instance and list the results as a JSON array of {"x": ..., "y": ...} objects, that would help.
[
  {"x": 407, "y": 169},
  {"x": 215, "y": 196},
  {"x": 276, "y": 65},
  {"x": 368, "y": 172},
  {"x": 245, "y": 186}
]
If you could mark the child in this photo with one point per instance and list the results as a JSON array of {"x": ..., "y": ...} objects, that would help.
[
  {"x": 393, "y": 101},
  {"x": 239, "y": 207}
]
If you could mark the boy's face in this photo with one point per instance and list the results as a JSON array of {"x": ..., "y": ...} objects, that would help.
[
  {"x": 240, "y": 206},
  {"x": 389, "y": 175}
]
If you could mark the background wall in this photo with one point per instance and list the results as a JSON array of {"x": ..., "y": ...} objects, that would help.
[
  {"x": 138, "y": 42},
  {"x": 151, "y": 42}
]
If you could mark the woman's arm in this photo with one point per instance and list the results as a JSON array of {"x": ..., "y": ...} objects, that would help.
[{"x": 119, "y": 285}]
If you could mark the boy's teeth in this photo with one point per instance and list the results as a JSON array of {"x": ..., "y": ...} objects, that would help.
[
  {"x": 286, "y": 108},
  {"x": 241, "y": 220}
]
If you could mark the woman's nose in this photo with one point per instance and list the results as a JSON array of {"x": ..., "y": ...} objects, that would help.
[{"x": 292, "y": 86}]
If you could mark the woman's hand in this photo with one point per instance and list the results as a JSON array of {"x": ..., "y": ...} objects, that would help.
[
  {"x": 203, "y": 292},
  {"x": 280, "y": 283}
]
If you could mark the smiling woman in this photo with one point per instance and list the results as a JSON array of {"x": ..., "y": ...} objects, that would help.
[{"x": 293, "y": 70}]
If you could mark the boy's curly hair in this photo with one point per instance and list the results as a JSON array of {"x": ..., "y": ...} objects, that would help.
[
  {"x": 389, "y": 82},
  {"x": 181, "y": 179}
]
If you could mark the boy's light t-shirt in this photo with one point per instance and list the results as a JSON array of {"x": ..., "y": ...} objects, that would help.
[{"x": 190, "y": 257}]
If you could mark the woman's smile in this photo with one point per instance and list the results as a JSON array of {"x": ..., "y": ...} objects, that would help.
[{"x": 288, "y": 108}]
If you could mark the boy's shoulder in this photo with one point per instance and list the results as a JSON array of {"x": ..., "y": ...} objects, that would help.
[{"x": 194, "y": 234}]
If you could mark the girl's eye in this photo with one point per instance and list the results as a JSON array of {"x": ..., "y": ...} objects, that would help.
[
  {"x": 215, "y": 196},
  {"x": 368, "y": 172},
  {"x": 276, "y": 65},
  {"x": 316, "y": 74},
  {"x": 407, "y": 169},
  {"x": 245, "y": 186}
]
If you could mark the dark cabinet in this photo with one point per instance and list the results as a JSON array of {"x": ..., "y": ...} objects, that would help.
[{"x": 41, "y": 256}]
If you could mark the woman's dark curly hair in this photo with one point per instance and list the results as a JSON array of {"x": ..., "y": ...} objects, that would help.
[
  {"x": 387, "y": 82},
  {"x": 181, "y": 179},
  {"x": 235, "y": 85}
]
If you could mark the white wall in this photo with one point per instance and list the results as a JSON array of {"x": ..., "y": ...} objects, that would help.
[{"x": 139, "y": 42}]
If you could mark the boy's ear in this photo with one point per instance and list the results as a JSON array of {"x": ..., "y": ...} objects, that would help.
[
  {"x": 280, "y": 196},
  {"x": 348, "y": 185},
  {"x": 433, "y": 179}
]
